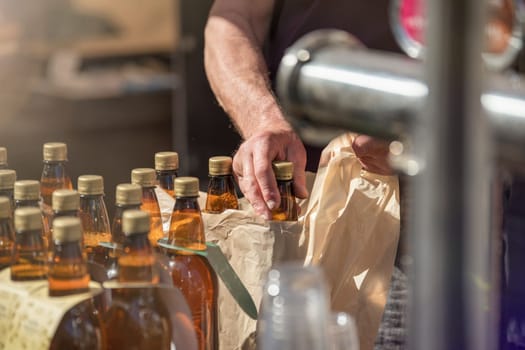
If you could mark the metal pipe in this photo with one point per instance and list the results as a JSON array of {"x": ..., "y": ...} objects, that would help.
[{"x": 327, "y": 84}]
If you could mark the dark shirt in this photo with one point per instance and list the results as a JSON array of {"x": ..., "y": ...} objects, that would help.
[{"x": 367, "y": 20}]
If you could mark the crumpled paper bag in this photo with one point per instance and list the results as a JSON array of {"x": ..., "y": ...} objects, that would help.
[{"x": 352, "y": 229}]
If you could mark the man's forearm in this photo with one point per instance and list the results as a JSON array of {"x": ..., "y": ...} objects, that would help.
[{"x": 238, "y": 75}]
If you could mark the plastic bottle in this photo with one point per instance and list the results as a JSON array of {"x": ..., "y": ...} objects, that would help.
[
  {"x": 191, "y": 272},
  {"x": 167, "y": 166},
  {"x": 287, "y": 210},
  {"x": 221, "y": 188},
  {"x": 54, "y": 173},
  {"x": 7, "y": 233},
  {"x": 146, "y": 177},
  {"x": 128, "y": 196}
]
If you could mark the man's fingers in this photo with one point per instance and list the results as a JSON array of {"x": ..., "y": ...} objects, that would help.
[
  {"x": 266, "y": 179},
  {"x": 250, "y": 187}
]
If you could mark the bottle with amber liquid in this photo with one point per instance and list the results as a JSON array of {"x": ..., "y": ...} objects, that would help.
[
  {"x": 29, "y": 260},
  {"x": 94, "y": 217},
  {"x": 54, "y": 174},
  {"x": 136, "y": 318},
  {"x": 7, "y": 233},
  {"x": 80, "y": 328},
  {"x": 3, "y": 158},
  {"x": 221, "y": 188},
  {"x": 287, "y": 209},
  {"x": 7, "y": 185},
  {"x": 167, "y": 166},
  {"x": 191, "y": 272},
  {"x": 27, "y": 194},
  {"x": 146, "y": 178},
  {"x": 128, "y": 197}
]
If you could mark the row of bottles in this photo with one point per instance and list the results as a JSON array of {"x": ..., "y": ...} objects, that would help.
[{"x": 136, "y": 240}]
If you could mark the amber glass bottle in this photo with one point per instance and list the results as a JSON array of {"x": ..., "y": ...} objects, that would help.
[
  {"x": 7, "y": 184},
  {"x": 192, "y": 273},
  {"x": 80, "y": 327},
  {"x": 287, "y": 210},
  {"x": 29, "y": 260},
  {"x": 54, "y": 174},
  {"x": 136, "y": 319},
  {"x": 221, "y": 188},
  {"x": 146, "y": 178},
  {"x": 3, "y": 158},
  {"x": 167, "y": 166},
  {"x": 27, "y": 194},
  {"x": 128, "y": 196},
  {"x": 94, "y": 216},
  {"x": 7, "y": 233}
]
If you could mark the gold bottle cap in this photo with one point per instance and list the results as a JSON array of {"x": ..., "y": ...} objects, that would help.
[
  {"x": 28, "y": 219},
  {"x": 186, "y": 186},
  {"x": 55, "y": 151},
  {"x": 166, "y": 161},
  {"x": 90, "y": 184},
  {"x": 7, "y": 179},
  {"x": 27, "y": 190},
  {"x": 67, "y": 229},
  {"x": 283, "y": 170},
  {"x": 145, "y": 177},
  {"x": 220, "y": 165},
  {"x": 3, "y": 155},
  {"x": 128, "y": 194},
  {"x": 5, "y": 207},
  {"x": 134, "y": 222},
  {"x": 65, "y": 200}
]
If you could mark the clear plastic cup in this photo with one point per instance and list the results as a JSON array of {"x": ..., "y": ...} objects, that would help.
[
  {"x": 295, "y": 310},
  {"x": 342, "y": 332}
]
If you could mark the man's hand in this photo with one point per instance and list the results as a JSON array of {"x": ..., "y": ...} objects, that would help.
[
  {"x": 252, "y": 167},
  {"x": 372, "y": 154}
]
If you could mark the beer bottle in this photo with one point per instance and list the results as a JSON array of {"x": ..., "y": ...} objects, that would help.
[
  {"x": 94, "y": 216},
  {"x": 146, "y": 178},
  {"x": 221, "y": 188},
  {"x": 7, "y": 184},
  {"x": 287, "y": 209},
  {"x": 29, "y": 260},
  {"x": 54, "y": 174},
  {"x": 192, "y": 273},
  {"x": 136, "y": 318},
  {"x": 128, "y": 196},
  {"x": 166, "y": 166},
  {"x": 80, "y": 328},
  {"x": 27, "y": 194},
  {"x": 3, "y": 158},
  {"x": 7, "y": 233}
]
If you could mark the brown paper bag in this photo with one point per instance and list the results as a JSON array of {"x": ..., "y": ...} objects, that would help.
[
  {"x": 352, "y": 229},
  {"x": 349, "y": 226}
]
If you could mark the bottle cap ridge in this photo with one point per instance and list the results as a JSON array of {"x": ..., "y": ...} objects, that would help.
[
  {"x": 65, "y": 200},
  {"x": 67, "y": 229},
  {"x": 128, "y": 194},
  {"x": 186, "y": 186},
  {"x": 220, "y": 165},
  {"x": 7, "y": 179},
  {"x": 55, "y": 151},
  {"x": 166, "y": 161},
  {"x": 27, "y": 190},
  {"x": 5, "y": 207},
  {"x": 283, "y": 170},
  {"x": 28, "y": 219},
  {"x": 90, "y": 184},
  {"x": 145, "y": 177},
  {"x": 135, "y": 222}
]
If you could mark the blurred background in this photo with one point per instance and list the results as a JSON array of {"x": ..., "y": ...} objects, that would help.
[{"x": 116, "y": 80}]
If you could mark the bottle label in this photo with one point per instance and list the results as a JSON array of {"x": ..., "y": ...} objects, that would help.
[{"x": 28, "y": 316}]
